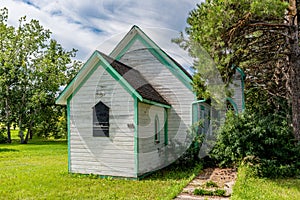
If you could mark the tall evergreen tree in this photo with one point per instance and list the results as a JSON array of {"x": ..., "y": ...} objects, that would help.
[{"x": 262, "y": 37}]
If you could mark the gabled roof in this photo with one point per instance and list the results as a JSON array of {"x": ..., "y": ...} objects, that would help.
[
  {"x": 136, "y": 33},
  {"x": 131, "y": 80},
  {"x": 136, "y": 80}
]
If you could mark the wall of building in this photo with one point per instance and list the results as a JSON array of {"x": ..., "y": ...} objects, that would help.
[
  {"x": 113, "y": 155},
  {"x": 173, "y": 90}
]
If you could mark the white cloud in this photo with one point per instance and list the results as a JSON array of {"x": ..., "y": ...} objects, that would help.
[{"x": 85, "y": 25}]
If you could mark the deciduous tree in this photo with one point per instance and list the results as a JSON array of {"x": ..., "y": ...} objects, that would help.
[{"x": 32, "y": 68}]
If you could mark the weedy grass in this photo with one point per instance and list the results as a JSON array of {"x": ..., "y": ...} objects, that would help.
[
  {"x": 250, "y": 187},
  {"x": 39, "y": 170}
]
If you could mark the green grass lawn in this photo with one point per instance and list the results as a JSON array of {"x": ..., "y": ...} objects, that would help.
[
  {"x": 250, "y": 188},
  {"x": 39, "y": 171}
]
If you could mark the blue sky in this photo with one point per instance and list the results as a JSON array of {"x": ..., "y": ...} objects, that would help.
[{"x": 88, "y": 25}]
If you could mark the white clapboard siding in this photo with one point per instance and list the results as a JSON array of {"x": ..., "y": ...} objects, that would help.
[
  {"x": 174, "y": 91},
  {"x": 113, "y": 156},
  {"x": 146, "y": 132}
]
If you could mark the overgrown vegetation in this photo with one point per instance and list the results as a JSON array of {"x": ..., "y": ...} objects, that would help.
[
  {"x": 204, "y": 192},
  {"x": 264, "y": 142},
  {"x": 242, "y": 33}
]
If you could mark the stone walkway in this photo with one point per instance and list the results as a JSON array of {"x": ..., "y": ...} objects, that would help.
[{"x": 224, "y": 178}]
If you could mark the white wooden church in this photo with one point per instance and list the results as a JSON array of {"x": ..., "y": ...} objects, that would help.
[{"x": 128, "y": 112}]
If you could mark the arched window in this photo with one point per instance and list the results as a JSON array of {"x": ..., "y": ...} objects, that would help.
[
  {"x": 156, "y": 130},
  {"x": 100, "y": 120}
]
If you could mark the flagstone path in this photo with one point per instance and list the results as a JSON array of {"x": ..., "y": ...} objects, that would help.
[{"x": 225, "y": 179}]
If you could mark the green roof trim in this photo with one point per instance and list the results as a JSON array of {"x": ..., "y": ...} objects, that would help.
[
  {"x": 98, "y": 59},
  {"x": 243, "y": 75},
  {"x": 69, "y": 134},
  {"x": 156, "y": 103},
  {"x": 233, "y": 104},
  {"x": 119, "y": 78},
  {"x": 136, "y": 136},
  {"x": 156, "y": 51},
  {"x": 79, "y": 74}
]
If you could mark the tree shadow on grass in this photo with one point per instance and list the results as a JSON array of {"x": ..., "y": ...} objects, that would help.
[
  {"x": 288, "y": 183},
  {"x": 175, "y": 172},
  {"x": 47, "y": 142},
  {"x": 8, "y": 150}
]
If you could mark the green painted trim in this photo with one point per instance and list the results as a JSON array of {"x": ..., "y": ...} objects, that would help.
[
  {"x": 166, "y": 127},
  {"x": 163, "y": 59},
  {"x": 106, "y": 176},
  {"x": 119, "y": 78},
  {"x": 199, "y": 101},
  {"x": 136, "y": 136},
  {"x": 243, "y": 75},
  {"x": 69, "y": 133},
  {"x": 241, "y": 72},
  {"x": 156, "y": 51},
  {"x": 156, "y": 103},
  {"x": 67, "y": 88},
  {"x": 108, "y": 68},
  {"x": 125, "y": 49},
  {"x": 233, "y": 104},
  {"x": 243, "y": 94},
  {"x": 85, "y": 79},
  {"x": 146, "y": 174}
]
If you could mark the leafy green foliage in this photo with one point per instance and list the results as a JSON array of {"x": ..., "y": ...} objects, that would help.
[
  {"x": 265, "y": 142},
  {"x": 211, "y": 184},
  {"x": 3, "y": 138},
  {"x": 261, "y": 37},
  {"x": 203, "y": 192},
  {"x": 32, "y": 69}
]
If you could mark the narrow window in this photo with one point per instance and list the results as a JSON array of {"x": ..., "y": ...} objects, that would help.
[
  {"x": 156, "y": 130},
  {"x": 100, "y": 120}
]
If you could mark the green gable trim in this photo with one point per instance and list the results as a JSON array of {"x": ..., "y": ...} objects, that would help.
[
  {"x": 69, "y": 134},
  {"x": 83, "y": 68},
  {"x": 243, "y": 75},
  {"x": 120, "y": 79},
  {"x": 113, "y": 73},
  {"x": 156, "y": 103},
  {"x": 160, "y": 55},
  {"x": 136, "y": 137},
  {"x": 233, "y": 104},
  {"x": 125, "y": 49},
  {"x": 243, "y": 87},
  {"x": 84, "y": 80}
]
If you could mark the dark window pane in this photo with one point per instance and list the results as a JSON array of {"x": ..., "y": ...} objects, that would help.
[{"x": 100, "y": 120}]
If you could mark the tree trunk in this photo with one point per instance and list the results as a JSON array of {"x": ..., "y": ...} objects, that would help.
[
  {"x": 29, "y": 130},
  {"x": 26, "y": 138},
  {"x": 8, "y": 132},
  {"x": 295, "y": 68},
  {"x": 7, "y": 115},
  {"x": 295, "y": 97},
  {"x": 21, "y": 132}
]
